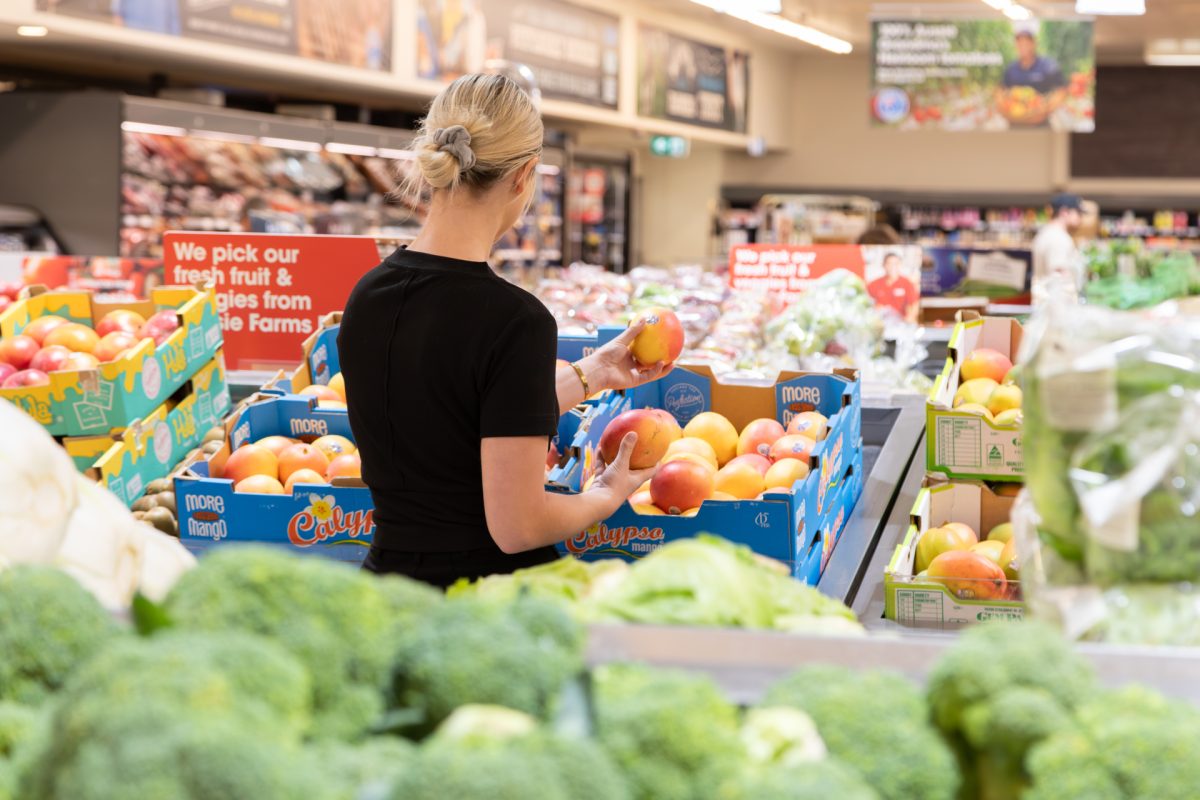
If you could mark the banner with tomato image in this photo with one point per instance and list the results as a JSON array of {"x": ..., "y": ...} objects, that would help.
[{"x": 983, "y": 75}]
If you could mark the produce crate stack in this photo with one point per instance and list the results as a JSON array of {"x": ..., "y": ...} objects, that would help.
[
  {"x": 956, "y": 565},
  {"x": 128, "y": 387},
  {"x": 1114, "y": 473}
]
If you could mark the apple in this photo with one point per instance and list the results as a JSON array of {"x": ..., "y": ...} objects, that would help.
[
  {"x": 160, "y": 326},
  {"x": 760, "y": 463},
  {"x": 120, "y": 320},
  {"x": 792, "y": 446},
  {"x": 975, "y": 391},
  {"x": 304, "y": 476},
  {"x": 26, "y": 377},
  {"x": 301, "y": 456},
  {"x": 73, "y": 336},
  {"x": 742, "y": 481},
  {"x": 6, "y": 371},
  {"x": 758, "y": 436},
  {"x": 784, "y": 474},
  {"x": 18, "y": 350},
  {"x": 77, "y": 362},
  {"x": 969, "y": 576},
  {"x": 50, "y": 359},
  {"x": 1004, "y": 398},
  {"x": 40, "y": 327},
  {"x": 680, "y": 485},
  {"x": 347, "y": 465},
  {"x": 812, "y": 424},
  {"x": 986, "y": 363},
  {"x": 259, "y": 484},
  {"x": 660, "y": 341},
  {"x": 936, "y": 541},
  {"x": 1011, "y": 417},
  {"x": 113, "y": 344},
  {"x": 655, "y": 431},
  {"x": 1001, "y": 533},
  {"x": 250, "y": 459},
  {"x": 717, "y": 431},
  {"x": 695, "y": 446}
]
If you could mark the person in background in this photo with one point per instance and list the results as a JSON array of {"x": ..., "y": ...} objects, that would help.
[
  {"x": 451, "y": 374},
  {"x": 895, "y": 291},
  {"x": 1040, "y": 73},
  {"x": 1057, "y": 263}
]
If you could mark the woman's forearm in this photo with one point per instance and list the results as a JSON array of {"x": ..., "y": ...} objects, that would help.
[{"x": 570, "y": 388}]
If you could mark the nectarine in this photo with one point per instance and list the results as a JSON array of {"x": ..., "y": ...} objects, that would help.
[
  {"x": 758, "y": 436},
  {"x": 717, "y": 431},
  {"x": 661, "y": 339}
]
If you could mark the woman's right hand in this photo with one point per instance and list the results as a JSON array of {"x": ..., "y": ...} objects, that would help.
[{"x": 617, "y": 479}]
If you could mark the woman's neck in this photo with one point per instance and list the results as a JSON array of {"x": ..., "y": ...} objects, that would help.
[{"x": 457, "y": 228}]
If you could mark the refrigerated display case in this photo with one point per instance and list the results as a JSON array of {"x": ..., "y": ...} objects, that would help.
[{"x": 598, "y": 209}]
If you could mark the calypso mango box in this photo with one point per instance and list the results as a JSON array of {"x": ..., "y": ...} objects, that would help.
[
  {"x": 332, "y": 520},
  {"x": 114, "y": 394},
  {"x": 793, "y": 528},
  {"x": 319, "y": 360},
  {"x": 151, "y": 447},
  {"x": 949, "y": 602},
  {"x": 963, "y": 445}
]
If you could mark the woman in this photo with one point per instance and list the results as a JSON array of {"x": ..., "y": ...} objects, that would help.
[{"x": 451, "y": 375}]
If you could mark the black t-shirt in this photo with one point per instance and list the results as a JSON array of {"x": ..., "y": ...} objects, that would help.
[{"x": 437, "y": 354}]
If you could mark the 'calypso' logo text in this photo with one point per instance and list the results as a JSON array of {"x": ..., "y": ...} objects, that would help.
[
  {"x": 603, "y": 537},
  {"x": 325, "y": 519}
]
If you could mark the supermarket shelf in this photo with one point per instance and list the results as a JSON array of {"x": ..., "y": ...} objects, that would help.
[
  {"x": 744, "y": 663},
  {"x": 890, "y": 437}
]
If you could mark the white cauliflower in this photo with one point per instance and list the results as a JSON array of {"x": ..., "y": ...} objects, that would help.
[{"x": 38, "y": 489}]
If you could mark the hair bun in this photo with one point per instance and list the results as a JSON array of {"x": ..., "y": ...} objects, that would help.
[{"x": 456, "y": 140}]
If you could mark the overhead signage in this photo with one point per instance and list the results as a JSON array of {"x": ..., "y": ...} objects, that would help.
[{"x": 683, "y": 80}]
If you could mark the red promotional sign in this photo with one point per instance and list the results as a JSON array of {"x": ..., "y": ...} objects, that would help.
[
  {"x": 271, "y": 290},
  {"x": 790, "y": 268}
]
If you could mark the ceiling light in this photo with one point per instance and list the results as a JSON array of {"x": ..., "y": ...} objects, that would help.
[
  {"x": 1113, "y": 7},
  {"x": 777, "y": 24},
  {"x": 33, "y": 31},
  {"x": 350, "y": 149},
  {"x": 1173, "y": 53},
  {"x": 1017, "y": 12},
  {"x": 391, "y": 152},
  {"x": 289, "y": 144},
  {"x": 222, "y": 136}
]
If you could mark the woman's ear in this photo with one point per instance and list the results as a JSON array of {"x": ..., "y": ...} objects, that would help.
[{"x": 524, "y": 176}]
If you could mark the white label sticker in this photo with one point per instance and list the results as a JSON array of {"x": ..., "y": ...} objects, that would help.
[
  {"x": 151, "y": 378},
  {"x": 162, "y": 443}
]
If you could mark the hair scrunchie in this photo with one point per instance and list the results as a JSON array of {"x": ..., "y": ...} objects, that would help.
[{"x": 456, "y": 140}]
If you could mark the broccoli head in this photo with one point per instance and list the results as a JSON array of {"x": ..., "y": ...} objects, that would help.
[
  {"x": 1002, "y": 688},
  {"x": 50, "y": 626},
  {"x": 366, "y": 768},
  {"x": 674, "y": 735},
  {"x": 466, "y": 650},
  {"x": 17, "y": 724},
  {"x": 877, "y": 723},
  {"x": 1127, "y": 745},
  {"x": 494, "y": 753},
  {"x": 819, "y": 780},
  {"x": 340, "y": 622},
  {"x": 152, "y": 752}
]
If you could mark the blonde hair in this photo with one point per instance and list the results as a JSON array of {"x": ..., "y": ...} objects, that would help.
[{"x": 478, "y": 130}]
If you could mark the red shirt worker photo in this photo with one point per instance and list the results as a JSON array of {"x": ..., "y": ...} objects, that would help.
[{"x": 895, "y": 291}]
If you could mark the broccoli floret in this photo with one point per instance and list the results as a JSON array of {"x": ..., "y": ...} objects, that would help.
[
  {"x": 674, "y": 735},
  {"x": 340, "y": 622},
  {"x": 50, "y": 626},
  {"x": 466, "y": 650},
  {"x": 820, "y": 780},
  {"x": 151, "y": 752},
  {"x": 17, "y": 723},
  {"x": 877, "y": 723},
  {"x": 1128, "y": 745},
  {"x": 998, "y": 691},
  {"x": 366, "y": 768}
]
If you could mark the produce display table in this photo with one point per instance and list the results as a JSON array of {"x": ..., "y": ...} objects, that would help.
[
  {"x": 744, "y": 663},
  {"x": 891, "y": 436}
]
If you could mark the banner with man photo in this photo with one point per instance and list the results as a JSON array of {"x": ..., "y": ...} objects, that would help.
[
  {"x": 688, "y": 81},
  {"x": 989, "y": 75}
]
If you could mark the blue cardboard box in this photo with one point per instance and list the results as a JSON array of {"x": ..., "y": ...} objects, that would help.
[
  {"x": 793, "y": 528},
  {"x": 573, "y": 348}
]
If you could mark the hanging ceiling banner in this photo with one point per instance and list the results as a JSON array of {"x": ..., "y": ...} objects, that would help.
[
  {"x": 983, "y": 75},
  {"x": 683, "y": 80},
  {"x": 573, "y": 52}
]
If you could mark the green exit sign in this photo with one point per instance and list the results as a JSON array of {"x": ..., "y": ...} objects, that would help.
[{"x": 670, "y": 146}]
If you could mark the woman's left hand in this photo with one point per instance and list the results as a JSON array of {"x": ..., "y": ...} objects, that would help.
[{"x": 613, "y": 365}]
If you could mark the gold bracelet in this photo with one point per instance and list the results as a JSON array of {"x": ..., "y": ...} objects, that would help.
[{"x": 587, "y": 392}]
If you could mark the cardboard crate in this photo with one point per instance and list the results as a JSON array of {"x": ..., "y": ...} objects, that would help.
[
  {"x": 335, "y": 521},
  {"x": 924, "y": 603},
  {"x": 151, "y": 447},
  {"x": 97, "y": 401},
  {"x": 968, "y": 446},
  {"x": 85, "y": 450},
  {"x": 319, "y": 356},
  {"x": 573, "y": 348},
  {"x": 799, "y": 529}
]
